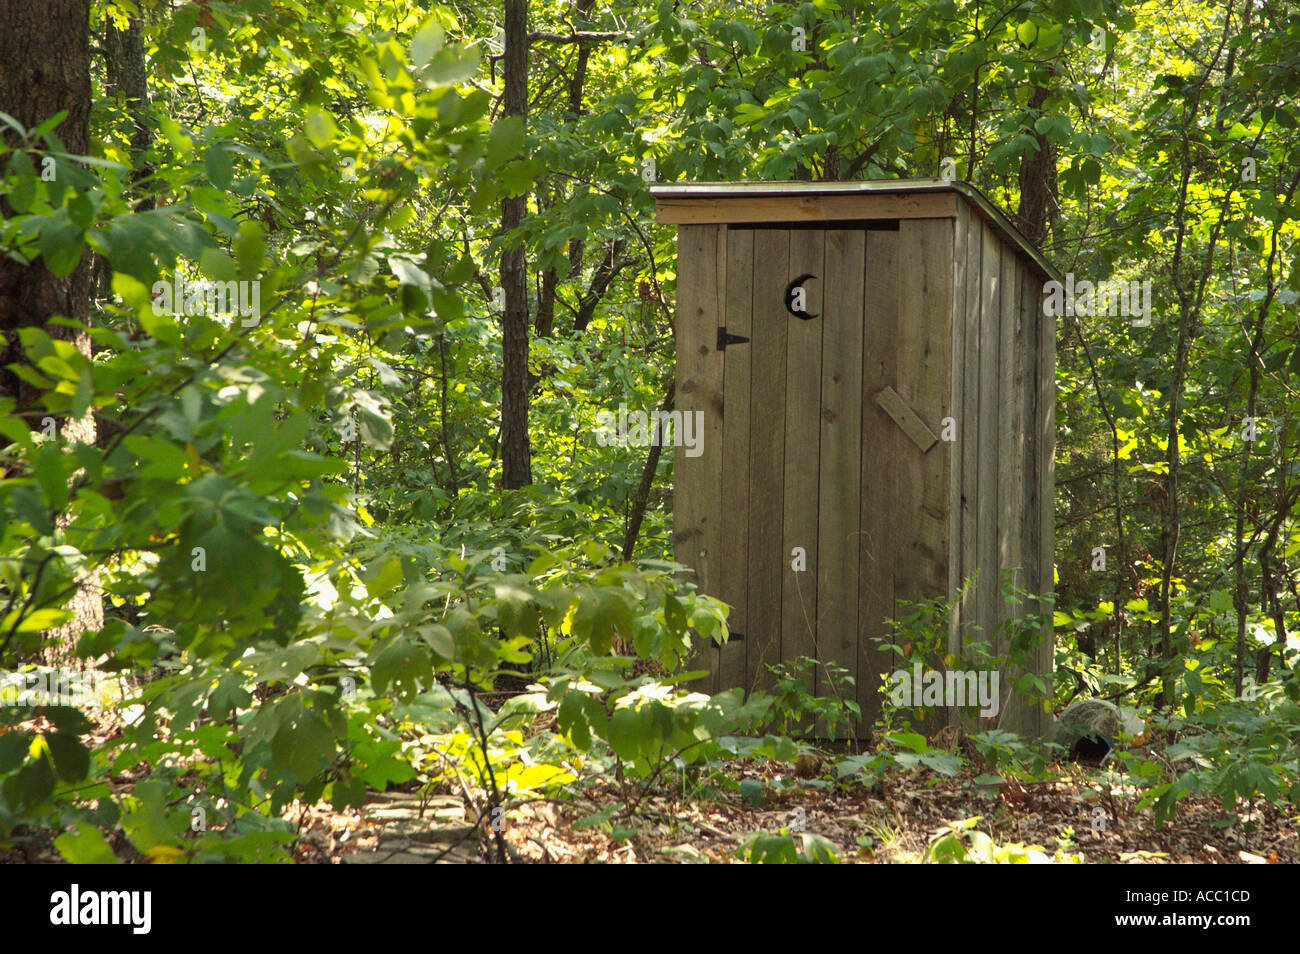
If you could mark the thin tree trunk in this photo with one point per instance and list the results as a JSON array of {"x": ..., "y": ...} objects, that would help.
[
  {"x": 1255, "y": 361},
  {"x": 1038, "y": 196},
  {"x": 647, "y": 481},
  {"x": 605, "y": 273},
  {"x": 128, "y": 80},
  {"x": 581, "y": 13},
  {"x": 544, "y": 324},
  {"x": 1121, "y": 540},
  {"x": 1239, "y": 595},
  {"x": 516, "y": 462},
  {"x": 442, "y": 417},
  {"x": 1189, "y": 305}
]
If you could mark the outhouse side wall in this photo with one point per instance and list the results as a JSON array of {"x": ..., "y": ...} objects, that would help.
[{"x": 1003, "y": 489}]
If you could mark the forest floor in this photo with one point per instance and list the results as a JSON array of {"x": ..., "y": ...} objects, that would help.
[
  {"x": 1069, "y": 816},
  {"x": 890, "y": 822}
]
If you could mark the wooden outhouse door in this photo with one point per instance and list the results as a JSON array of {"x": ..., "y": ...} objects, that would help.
[{"x": 831, "y": 499}]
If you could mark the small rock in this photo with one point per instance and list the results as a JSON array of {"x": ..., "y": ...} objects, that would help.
[
  {"x": 1087, "y": 729},
  {"x": 384, "y": 858},
  {"x": 399, "y": 813},
  {"x": 451, "y": 834},
  {"x": 407, "y": 833}
]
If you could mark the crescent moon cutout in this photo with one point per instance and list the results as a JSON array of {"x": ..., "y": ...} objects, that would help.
[{"x": 790, "y": 296}]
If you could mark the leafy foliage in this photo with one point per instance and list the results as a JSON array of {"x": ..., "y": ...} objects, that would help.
[{"x": 313, "y": 585}]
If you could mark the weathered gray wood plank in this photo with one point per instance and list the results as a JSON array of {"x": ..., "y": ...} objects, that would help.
[
  {"x": 906, "y": 418},
  {"x": 698, "y": 480},
  {"x": 924, "y": 363},
  {"x": 970, "y": 439},
  {"x": 1046, "y": 422},
  {"x": 958, "y": 402},
  {"x": 767, "y": 432},
  {"x": 839, "y": 486},
  {"x": 734, "y": 570},
  {"x": 986, "y": 506},
  {"x": 881, "y": 442},
  {"x": 803, "y": 385}
]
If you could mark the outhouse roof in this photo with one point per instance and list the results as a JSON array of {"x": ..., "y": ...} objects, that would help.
[{"x": 723, "y": 202}]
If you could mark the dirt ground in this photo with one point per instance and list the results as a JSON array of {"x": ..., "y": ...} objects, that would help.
[{"x": 891, "y": 822}]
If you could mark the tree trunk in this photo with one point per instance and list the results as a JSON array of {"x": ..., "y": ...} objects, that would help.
[
  {"x": 1037, "y": 180},
  {"x": 581, "y": 19},
  {"x": 128, "y": 80},
  {"x": 515, "y": 456},
  {"x": 545, "y": 322},
  {"x": 45, "y": 68},
  {"x": 642, "y": 499}
]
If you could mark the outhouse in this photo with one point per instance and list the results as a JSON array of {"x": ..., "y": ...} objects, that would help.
[{"x": 876, "y": 378}]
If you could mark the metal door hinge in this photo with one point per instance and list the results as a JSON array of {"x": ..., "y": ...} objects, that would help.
[{"x": 725, "y": 339}]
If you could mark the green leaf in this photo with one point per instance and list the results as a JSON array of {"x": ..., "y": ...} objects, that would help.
[
  {"x": 162, "y": 458},
  {"x": 398, "y": 667},
  {"x": 250, "y": 247},
  {"x": 770, "y": 849},
  {"x": 36, "y": 620},
  {"x": 375, "y": 416},
  {"x": 85, "y": 846},
  {"x": 941, "y": 762},
  {"x": 14, "y": 748},
  {"x": 407, "y": 272},
  {"x": 22, "y": 189},
  {"x": 301, "y": 151},
  {"x": 17, "y": 432},
  {"x": 427, "y": 41},
  {"x": 634, "y": 732},
  {"x": 505, "y": 141},
  {"x": 455, "y": 64},
  {"x": 81, "y": 211},
  {"x": 145, "y": 817},
  {"x": 227, "y": 697},
  {"x": 439, "y": 639},
  {"x": 61, "y": 244},
  {"x": 596, "y": 818},
  {"x": 218, "y": 165},
  {"x": 217, "y": 265},
  {"x": 516, "y": 612},
  {"x": 817, "y": 850},
  {"x": 349, "y": 792},
  {"x": 31, "y": 785},
  {"x": 389, "y": 575},
  {"x": 448, "y": 305},
  {"x": 582, "y": 717},
  {"x": 518, "y": 177},
  {"x": 320, "y": 128},
  {"x": 911, "y": 740},
  {"x": 304, "y": 746},
  {"x": 13, "y": 124},
  {"x": 68, "y": 719}
]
